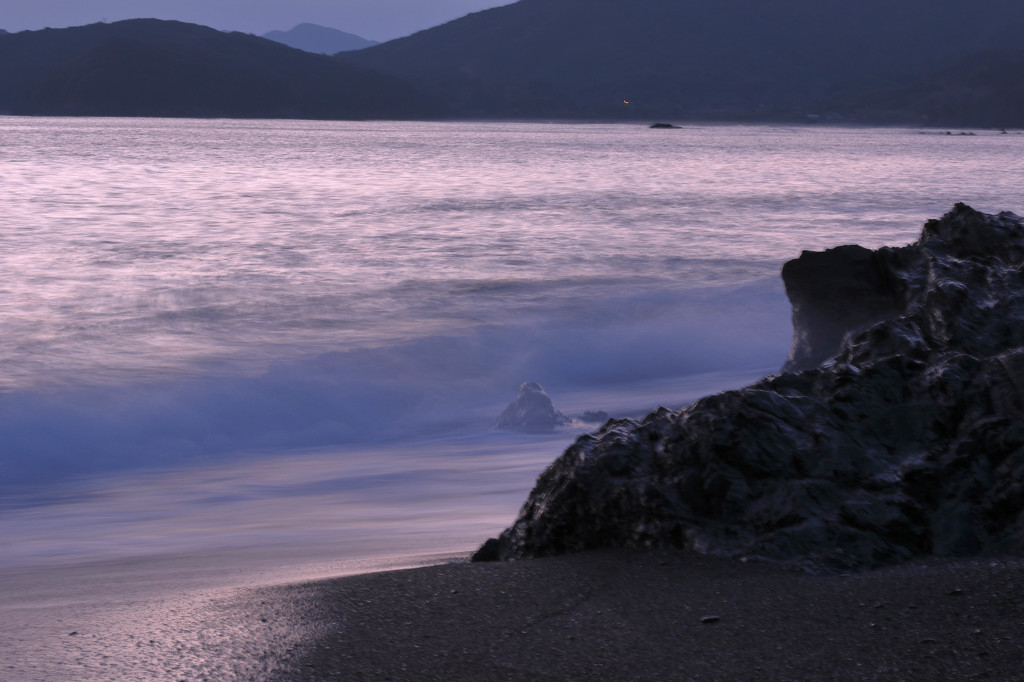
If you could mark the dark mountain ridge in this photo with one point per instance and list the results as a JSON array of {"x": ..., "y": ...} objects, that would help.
[
  {"x": 689, "y": 58},
  {"x": 319, "y": 39},
  {"x": 148, "y": 67},
  {"x": 984, "y": 89},
  {"x": 911, "y": 61}
]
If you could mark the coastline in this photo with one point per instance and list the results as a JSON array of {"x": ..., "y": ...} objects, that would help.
[
  {"x": 605, "y": 614},
  {"x": 631, "y": 614},
  {"x": 186, "y": 615},
  {"x": 665, "y": 614}
]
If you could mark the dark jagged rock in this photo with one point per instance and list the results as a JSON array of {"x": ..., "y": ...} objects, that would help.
[
  {"x": 664, "y": 126},
  {"x": 909, "y": 441},
  {"x": 841, "y": 291},
  {"x": 531, "y": 412},
  {"x": 489, "y": 551}
]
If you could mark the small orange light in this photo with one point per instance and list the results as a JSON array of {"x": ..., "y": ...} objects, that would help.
[{"x": 625, "y": 101}]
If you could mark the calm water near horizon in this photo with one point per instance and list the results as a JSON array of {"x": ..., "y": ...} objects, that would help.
[{"x": 287, "y": 340}]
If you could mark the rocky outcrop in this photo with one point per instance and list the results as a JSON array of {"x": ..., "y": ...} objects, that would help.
[
  {"x": 842, "y": 291},
  {"x": 907, "y": 440},
  {"x": 531, "y": 412}
]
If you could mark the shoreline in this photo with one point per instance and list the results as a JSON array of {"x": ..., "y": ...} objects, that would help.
[
  {"x": 640, "y": 121},
  {"x": 605, "y": 614},
  {"x": 659, "y": 614},
  {"x": 184, "y": 615}
]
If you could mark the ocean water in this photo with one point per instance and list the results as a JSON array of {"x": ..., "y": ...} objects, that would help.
[{"x": 280, "y": 346}]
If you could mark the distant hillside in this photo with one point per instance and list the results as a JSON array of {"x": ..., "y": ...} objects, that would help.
[
  {"x": 984, "y": 89},
  {"x": 689, "y": 58},
  {"x": 146, "y": 67},
  {"x": 319, "y": 39}
]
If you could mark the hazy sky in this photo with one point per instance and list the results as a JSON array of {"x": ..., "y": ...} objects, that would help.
[{"x": 373, "y": 19}]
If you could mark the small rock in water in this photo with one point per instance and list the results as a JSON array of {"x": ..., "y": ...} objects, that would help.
[
  {"x": 531, "y": 412},
  {"x": 708, "y": 620}
]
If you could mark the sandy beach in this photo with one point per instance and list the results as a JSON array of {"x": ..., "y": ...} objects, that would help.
[
  {"x": 604, "y": 615},
  {"x": 655, "y": 615}
]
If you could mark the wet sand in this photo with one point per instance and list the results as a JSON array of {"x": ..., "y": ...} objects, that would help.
[
  {"x": 185, "y": 616},
  {"x": 660, "y": 615}
]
